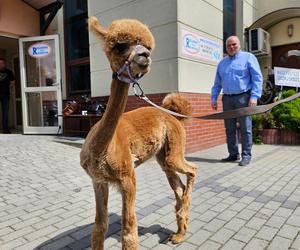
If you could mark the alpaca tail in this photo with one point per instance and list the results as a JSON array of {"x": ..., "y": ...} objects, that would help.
[{"x": 177, "y": 103}]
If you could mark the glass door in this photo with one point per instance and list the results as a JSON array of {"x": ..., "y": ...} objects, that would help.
[{"x": 41, "y": 85}]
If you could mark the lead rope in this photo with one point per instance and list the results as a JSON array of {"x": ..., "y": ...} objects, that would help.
[
  {"x": 138, "y": 92},
  {"x": 220, "y": 115}
]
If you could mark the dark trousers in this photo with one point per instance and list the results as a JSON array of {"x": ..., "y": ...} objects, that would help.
[
  {"x": 231, "y": 102},
  {"x": 5, "y": 110}
]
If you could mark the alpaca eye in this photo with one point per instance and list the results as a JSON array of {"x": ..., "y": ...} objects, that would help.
[{"x": 121, "y": 47}]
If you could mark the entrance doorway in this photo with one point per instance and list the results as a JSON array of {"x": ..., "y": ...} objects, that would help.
[
  {"x": 9, "y": 50},
  {"x": 41, "y": 84},
  {"x": 286, "y": 56}
]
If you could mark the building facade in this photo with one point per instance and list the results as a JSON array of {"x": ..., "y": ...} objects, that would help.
[{"x": 189, "y": 39}]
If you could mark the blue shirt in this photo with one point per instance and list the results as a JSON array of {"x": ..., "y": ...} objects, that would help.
[{"x": 237, "y": 74}]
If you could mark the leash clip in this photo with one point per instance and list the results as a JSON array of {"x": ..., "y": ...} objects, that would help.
[{"x": 139, "y": 95}]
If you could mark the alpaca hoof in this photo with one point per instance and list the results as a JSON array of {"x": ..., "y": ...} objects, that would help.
[{"x": 176, "y": 238}]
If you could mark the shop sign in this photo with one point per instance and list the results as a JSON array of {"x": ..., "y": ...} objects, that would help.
[
  {"x": 287, "y": 77},
  {"x": 199, "y": 47},
  {"x": 38, "y": 50}
]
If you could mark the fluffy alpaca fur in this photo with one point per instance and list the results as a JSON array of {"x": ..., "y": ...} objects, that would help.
[{"x": 120, "y": 142}]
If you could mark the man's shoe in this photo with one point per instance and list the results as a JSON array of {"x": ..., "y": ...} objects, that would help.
[
  {"x": 231, "y": 158},
  {"x": 244, "y": 162}
]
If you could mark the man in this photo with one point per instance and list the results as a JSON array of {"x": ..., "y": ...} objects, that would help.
[
  {"x": 239, "y": 75},
  {"x": 7, "y": 79}
]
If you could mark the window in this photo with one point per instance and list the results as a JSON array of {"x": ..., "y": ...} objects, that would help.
[
  {"x": 229, "y": 20},
  {"x": 77, "y": 47}
]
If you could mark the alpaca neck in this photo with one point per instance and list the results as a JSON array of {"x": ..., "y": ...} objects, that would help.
[{"x": 104, "y": 130}]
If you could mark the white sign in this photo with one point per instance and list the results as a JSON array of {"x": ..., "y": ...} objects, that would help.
[
  {"x": 38, "y": 50},
  {"x": 287, "y": 77},
  {"x": 200, "y": 47}
]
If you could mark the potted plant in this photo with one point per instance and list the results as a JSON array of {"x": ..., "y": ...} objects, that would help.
[{"x": 281, "y": 125}]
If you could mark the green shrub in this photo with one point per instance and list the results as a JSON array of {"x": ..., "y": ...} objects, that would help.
[{"x": 285, "y": 116}]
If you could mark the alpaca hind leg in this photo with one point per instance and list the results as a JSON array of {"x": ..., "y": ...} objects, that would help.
[
  {"x": 129, "y": 221},
  {"x": 101, "y": 223},
  {"x": 182, "y": 193},
  {"x": 182, "y": 212}
]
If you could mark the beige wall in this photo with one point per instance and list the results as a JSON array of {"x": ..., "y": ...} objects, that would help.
[
  {"x": 267, "y": 6},
  {"x": 279, "y": 34},
  {"x": 206, "y": 19},
  {"x": 17, "y": 18}
]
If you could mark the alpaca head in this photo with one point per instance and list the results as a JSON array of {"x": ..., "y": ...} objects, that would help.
[{"x": 126, "y": 40}]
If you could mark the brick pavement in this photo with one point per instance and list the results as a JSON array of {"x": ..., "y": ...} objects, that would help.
[{"x": 46, "y": 200}]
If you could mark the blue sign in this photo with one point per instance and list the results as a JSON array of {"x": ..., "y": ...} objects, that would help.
[
  {"x": 191, "y": 43},
  {"x": 38, "y": 50},
  {"x": 200, "y": 47}
]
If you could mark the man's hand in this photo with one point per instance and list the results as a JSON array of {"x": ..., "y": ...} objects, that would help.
[
  {"x": 214, "y": 105},
  {"x": 252, "y": 102}
]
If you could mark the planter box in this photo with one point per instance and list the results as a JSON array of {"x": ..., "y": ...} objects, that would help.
[
  {"x": 271, "y": 136},
  {"x": 279, "y": 136}
]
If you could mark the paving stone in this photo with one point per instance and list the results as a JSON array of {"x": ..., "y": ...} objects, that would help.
[
  {"x": 17, "y": 234},
  {"x": 208, "y": 216},
  {"x": 245, "y": 234},
  {"x": 214, "y": 225},
  {"x": 235, "y": 224},
  {"x": 283, "y": 212},
  {"x": 294, "y": 220},
  {"x": 246, "y": 214},
  {"x": 233, "y": 244},
  {"x": 239, "y": 194},
  {"x": 276, "y": 221},
  {"x": 257, "y": 244},
  {"x": 58, "y": 244},
  {"x": 238, "y": 206},
  {"x": 266, "y": 233},
  {"x": 13, "y": 244},
  {"x": 273, "y": 205},
  {"x": 290, "y": 204},
  {"x": 227, "y": 215},
  {"x": 222, "y": 236},
  {"x": 199, "y": 237},
  {"x": 289, "y": 232},
  {"x": 263, "y": 198},
  {"x": 255, "y": 193},
  {"x": 279, "y": 243},
  {"x": 208, "y": 245},
  {"x": 296, "y": 243},
  {"x": 255, "y": 223}
]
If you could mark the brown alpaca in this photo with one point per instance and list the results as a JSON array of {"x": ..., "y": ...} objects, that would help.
[{"x": 120, "y": 142}]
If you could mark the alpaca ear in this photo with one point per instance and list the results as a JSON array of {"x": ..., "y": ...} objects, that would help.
[{"x": 96, "y": 28}]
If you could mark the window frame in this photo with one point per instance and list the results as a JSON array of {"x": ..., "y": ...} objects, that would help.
[{"x": 73, "y": 62}]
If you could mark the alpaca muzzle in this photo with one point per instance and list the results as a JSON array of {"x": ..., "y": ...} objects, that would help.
[{"x": 136, "y": 65}]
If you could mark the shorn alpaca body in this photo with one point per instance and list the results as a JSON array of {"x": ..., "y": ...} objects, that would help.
[{"x": 120, "y": 142}]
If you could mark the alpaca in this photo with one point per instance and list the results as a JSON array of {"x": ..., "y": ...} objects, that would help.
[{"x": 120, "y": 142}]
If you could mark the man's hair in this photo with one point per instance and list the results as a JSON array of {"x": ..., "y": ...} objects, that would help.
[{"x": 2, "y": 59}]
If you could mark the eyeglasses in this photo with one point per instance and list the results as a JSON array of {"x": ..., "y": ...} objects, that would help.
[{"x": 231, "y": 45}]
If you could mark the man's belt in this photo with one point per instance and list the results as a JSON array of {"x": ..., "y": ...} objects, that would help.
[{"x": 246, "y": 92}]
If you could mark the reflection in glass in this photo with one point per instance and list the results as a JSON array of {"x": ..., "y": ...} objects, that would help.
[
  {"x": 77, "y": 38},
  {"x": 80, "y": 77},
  {"x": 41, "y": 71},
  {"x": 289, "y": 59},
  {"x": 42, "y": 109},
  {"x": 229, "y": 20}
]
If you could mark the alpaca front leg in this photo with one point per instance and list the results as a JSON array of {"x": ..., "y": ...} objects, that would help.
[
  {"x": 129, "y": 221},
  {"x": 101, "y": 223}
]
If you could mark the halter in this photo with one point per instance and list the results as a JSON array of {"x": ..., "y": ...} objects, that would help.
[{"x": 125, "y": 68}]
